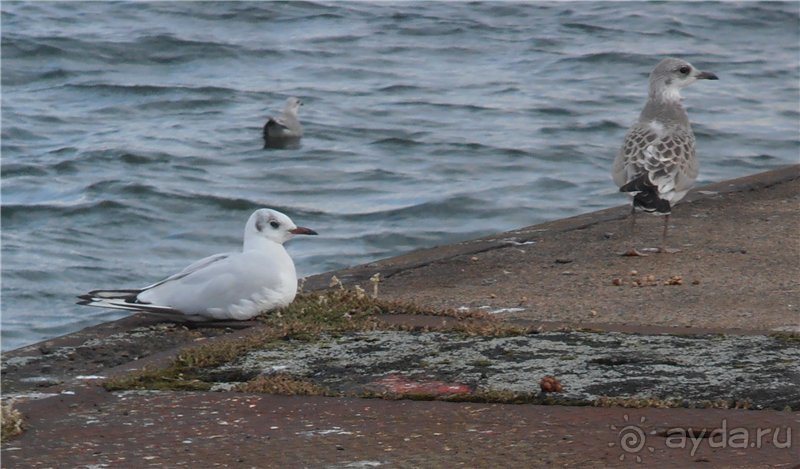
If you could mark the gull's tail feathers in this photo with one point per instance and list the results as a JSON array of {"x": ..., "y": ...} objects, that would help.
[
  {"x": 126, "y": 300},
  {"x": 646, "y": 196}
]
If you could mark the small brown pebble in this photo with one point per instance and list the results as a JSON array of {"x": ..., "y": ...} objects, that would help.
[
  {"x": 593, "y": 312},
  {"x": 674, "y": 280},
  {"x": 634, "y": 272},
  {"x": 550, "y": 384},
  {"x": 616, "y": 282},
  {"x": 695, "y": 282},
  {"x": 650, "y": 278},
  {"x": 474, "y": 259},
  {"x": 492, "y": 295}
]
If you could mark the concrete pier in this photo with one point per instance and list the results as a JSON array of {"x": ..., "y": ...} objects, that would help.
[{"x": 667, "y": 360}]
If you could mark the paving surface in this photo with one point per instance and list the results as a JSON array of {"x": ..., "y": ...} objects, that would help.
[
  {"x": 715, "y": 319},
  {"x": 93, "y": 428},
  {"x": 739, "y": 264}
]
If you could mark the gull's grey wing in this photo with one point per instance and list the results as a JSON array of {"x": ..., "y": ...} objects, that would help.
[
  {"x": 128, "y": 299},
  {"x": 190, "y": 269},
  {"x": 277, "y": 123}
]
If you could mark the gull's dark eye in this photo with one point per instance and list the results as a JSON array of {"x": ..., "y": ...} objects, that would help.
[
  {"x": 685, "y": 70},
  {"x": 274, "y": 224}
]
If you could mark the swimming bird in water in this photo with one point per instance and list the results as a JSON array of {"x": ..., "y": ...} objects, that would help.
[
  {"x": 231, "y": 286},
  {"x": 656, "y": 164},
  {"x": 285, "y": 130}
]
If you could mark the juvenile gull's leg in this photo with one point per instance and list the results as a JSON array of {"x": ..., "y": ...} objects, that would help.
[
  {"x": 663, "y": 248},
  {"x": 631, "y": 252}
]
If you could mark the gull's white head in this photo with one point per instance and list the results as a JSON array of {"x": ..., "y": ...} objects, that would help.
[
  {"x": 272, "y": 225},
  {"x": 670, "y": 75},
  {"x": 292, "y": 106}
]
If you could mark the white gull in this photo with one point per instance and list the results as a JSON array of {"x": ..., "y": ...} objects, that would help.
[{"x": 230, "y": 286}]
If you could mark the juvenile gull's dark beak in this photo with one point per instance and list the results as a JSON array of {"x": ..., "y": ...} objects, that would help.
[
  {"x": 707, "y": 76},
  {"x": 303, "y": 230}
]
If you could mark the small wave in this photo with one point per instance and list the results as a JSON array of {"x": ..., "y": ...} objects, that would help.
[
  {"x": 139, "y": 159},
  {"x": 167, "y": 49},
  {"x": 547, "y": 183},
  {"x": 673, "y": 32},
  {"x": 375, "y": 175},
  {"x": 338, "y": 39},
  {"x": 602, "y": 125},
  {"x": 15, "y": 46},
  {"x": 114, "y": 155},
  {"x": 556, "y": 111},
  {"x": 225, "y": 203},
  {"x": 10, "y": 170},
  {"x": 399, "y": 89},
  {"x": 174, "y": 105},
  {"x": 19, "y": 133},
  {"x": 58, "y": 74},
  {"x": 64, "y": 210},
  {"x": 515, "y": 152},
  {"x": 752, "y": 162},
  {"x": 122, "y": 188},
  {"x": 590, "y": 28},
  {"x": 465, "y": 206},
  {"x": 461, "y": 148},
  {"x": 396, "y": 142},
  {"x": 65, "y": 167},
  {"x": 610, "y": 58},
  {"x": 440, "y": 105},
  {"x": 149, "y": 90}
]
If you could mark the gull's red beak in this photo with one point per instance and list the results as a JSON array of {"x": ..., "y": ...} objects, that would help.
[{"x": 303, "y": 230}]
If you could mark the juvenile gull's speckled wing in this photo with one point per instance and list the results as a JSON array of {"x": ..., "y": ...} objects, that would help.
[{"x": 659, "y": 157}]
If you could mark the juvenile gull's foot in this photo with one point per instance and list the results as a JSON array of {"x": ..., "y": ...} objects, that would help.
[{"x": 632, "y": 252}]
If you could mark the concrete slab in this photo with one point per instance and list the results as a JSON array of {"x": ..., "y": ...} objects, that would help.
[{"x": 93, "y": 428}]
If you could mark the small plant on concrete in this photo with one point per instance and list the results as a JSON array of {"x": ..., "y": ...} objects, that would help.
[
  {"x": 283, "y": 384},
  {"x": 11, "y": 421}
]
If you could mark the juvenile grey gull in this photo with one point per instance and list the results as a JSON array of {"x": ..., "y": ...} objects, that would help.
[
  {"x": 656, "y": 164},
  {"x": 231, "y": 286},
  {"x": 286, "y": 129}
]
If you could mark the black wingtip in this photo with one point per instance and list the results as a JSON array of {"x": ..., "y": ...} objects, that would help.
[
  {"x": 641, "y": 183},
  {"x": 646, "y": 197},
  {"x": 266, "y": 132},
  {"x": 649, "y": 201},
  {"x": 84, "y": 299}
]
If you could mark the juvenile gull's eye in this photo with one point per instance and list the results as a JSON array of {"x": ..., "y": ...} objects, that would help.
[
  {"x": 685, "y": 69},
  {"x": 274, "y": 224}
]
